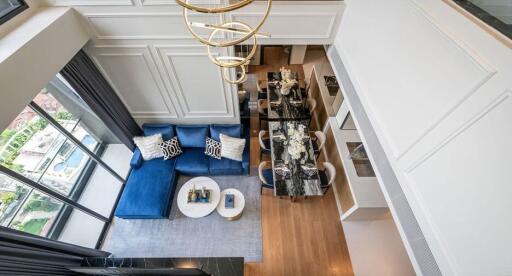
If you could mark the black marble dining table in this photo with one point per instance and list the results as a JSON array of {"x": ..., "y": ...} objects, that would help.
[
  {"x": 293, "y": 177},
  {"x": 285, "y": 107}
]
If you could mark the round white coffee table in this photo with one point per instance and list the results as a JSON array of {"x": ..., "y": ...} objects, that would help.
[
  {"x": 231, "y": 213},
  {"x": 198, "y": 210}
]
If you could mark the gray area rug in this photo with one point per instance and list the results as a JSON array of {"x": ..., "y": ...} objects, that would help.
[{"x": 211, "y": 236}]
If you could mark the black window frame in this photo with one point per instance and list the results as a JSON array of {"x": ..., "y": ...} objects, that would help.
[{"x": 8, "y": 16}]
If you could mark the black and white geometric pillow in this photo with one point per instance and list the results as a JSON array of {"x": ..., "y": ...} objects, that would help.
[
  {"x": 171, "y": 148},
  {"x": 212, "y": 148}
]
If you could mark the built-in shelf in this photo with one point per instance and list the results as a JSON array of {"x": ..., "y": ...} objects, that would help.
[{"x": 367, "y": 200}]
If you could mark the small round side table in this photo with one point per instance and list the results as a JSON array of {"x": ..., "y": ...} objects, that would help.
[{"x": 231, "y": 213}]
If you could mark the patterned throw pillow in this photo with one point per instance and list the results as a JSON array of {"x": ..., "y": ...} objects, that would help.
[
  {"x": 149, "y": 146},
  {"x": 171, "y": 148},
  {"x": 232, "y": 148},
  {"x": 212, "y": 148}
]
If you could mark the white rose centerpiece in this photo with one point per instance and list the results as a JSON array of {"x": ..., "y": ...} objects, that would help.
[
  {"x": 287, "y": 81},
  {"x": 296, "y": 137}
]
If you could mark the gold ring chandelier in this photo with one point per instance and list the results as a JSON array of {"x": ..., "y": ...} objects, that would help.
[{"x": 238, "y": 31}]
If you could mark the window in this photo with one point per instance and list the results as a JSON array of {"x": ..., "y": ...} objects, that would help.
[
  {"x": 495, "y": 13},
  {"x": 52, "y": 176},
  {"x": 11, "y": 8}
]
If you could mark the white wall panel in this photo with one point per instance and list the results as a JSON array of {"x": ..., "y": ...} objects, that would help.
[
  {"x": 464, "y": 189},
  {"x": 163, "y": 74},
  {"x": 168, "y": 25},
  {"x": 303, "y": 25},
  {"x": 133, "y": 74},
  {"x": 197, "y": 82},
  {"x": 90, "y": 2},
  {"x": 436, "y": 89}
]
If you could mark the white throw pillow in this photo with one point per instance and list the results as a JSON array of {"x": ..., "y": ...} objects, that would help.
[
  {"x": 232, "y": 148},
  {"x": 149, "y": 146}
]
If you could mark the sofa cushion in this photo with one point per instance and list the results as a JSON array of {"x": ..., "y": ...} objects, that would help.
[
  {"x": 225, "y": 167},
  {"x": 149, "y": 146},
  {"x": 165, "y": 129},
  {"x": 231, "y": 147},
  {"x": 149, "y": 191},
  {"x": 193, "y": 161},
  {"x": 171, "y": 148},
  {"x": 229, "y": 130},
  {"x": 192, "y": 136}
]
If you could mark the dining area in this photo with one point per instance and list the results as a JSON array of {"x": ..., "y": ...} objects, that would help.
[{"x": 289, "y": 150}]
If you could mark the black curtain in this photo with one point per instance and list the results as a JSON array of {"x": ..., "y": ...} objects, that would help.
[
  {"x": 89, "y": 83},
  {"x": 27, "y": 254}
]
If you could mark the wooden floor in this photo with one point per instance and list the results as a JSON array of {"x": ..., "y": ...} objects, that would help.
[{"x": 299, "y": 238}]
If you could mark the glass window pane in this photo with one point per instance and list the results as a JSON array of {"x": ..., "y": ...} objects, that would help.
[
  {"x": 29, "y": 144},
  {"x": 348, "y": 124},
  {"x": 100, "y": 191},
  {"x": 12, "y": 195},
  {"x": 7, "y": 6},
  {"x": 65, "y": 169},
  {"x": 81, "y": 229},
  {"x": 53, "y": 107},
  {"x": 86, "y": 137},
  {"x": 37, "y": 214}
]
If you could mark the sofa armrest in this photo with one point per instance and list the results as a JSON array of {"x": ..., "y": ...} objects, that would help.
[{"x": 136, "y": 161}]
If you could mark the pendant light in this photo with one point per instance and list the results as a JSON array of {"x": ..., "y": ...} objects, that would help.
[{"x": 237, "y": 33}]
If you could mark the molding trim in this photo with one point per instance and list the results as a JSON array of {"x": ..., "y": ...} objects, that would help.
[
  {"x": 149, "y": 63},
  {"x": 486, "y": 68},
  {"x": 327, "y": 35},
  {"x": 170, "y": 73},
  {"x": 94, "y": 3},
  {"x": 98, "y": 36},
  {"x": 496, "y": 102},
  {"x": 90, "y": 16}
]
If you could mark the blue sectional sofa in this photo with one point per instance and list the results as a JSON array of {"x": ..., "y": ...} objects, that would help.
[{"x": 150, "y": 187}]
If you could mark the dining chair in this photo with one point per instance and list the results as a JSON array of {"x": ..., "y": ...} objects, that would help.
[
  {"x": 262, "y": 92},
  {"x": 266, "y": 176},
  {"x": 327, "y": 176},
  {"x": 304, "y": 92},
  {"x": 264, "y": 143},
  {"x": 311, "y": 105},
  {"x": 318, "y": 139},
  {"x": 262, "y": 110}
]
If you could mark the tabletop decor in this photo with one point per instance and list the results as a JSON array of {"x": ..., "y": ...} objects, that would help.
[
  {"x": 198, "y": 196},
  {"x": 285, "y": 98},
  {"x": 288, "y": 81},
  {"x": 296, "y": 141}
]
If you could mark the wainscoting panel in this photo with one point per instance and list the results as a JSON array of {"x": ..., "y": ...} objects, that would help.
[
  {"x": 426, "y": 84},
  {"x": 163, "y": 74},
  {"x": 196, "y": 81},
  {"x": 133, "y": 74},
  {"x": 486, "y": 190},
  {"x": 144, "y": 25},
  {"x": 440, "y": 104}
]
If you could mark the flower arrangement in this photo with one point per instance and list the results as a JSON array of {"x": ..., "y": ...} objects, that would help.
[
  {"x": 296, "y": 137},
  {"x": 287, "y": 81}
]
